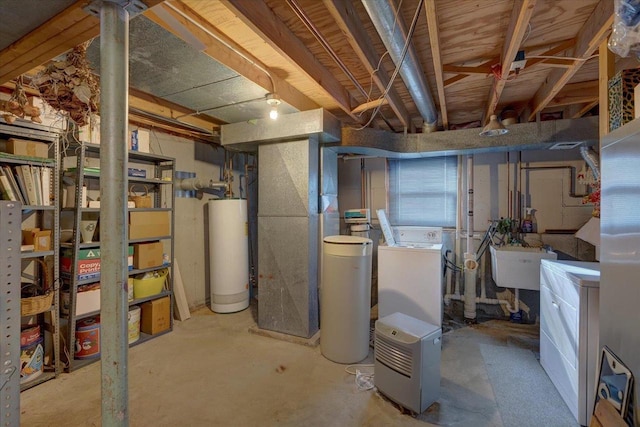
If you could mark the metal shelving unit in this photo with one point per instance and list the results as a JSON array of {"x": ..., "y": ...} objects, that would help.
[
  {"x": 45, "y": 217},
  {"x": 10, "y": 218},
  {"x": 160, "y": 186}
]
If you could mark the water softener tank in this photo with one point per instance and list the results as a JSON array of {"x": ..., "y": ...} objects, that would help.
[
  {"x": 228, "y": 255},
  {"x": 345, "y": 298}
]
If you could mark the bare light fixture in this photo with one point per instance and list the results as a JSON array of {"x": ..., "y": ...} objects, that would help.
[
  {"x": 273, "y": 101},
  {"x": 494, "y": 127}
]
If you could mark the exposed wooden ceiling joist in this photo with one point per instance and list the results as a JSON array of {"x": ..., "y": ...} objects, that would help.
[
  {"x": 264, "y": 22},
  {"x": 583, "y": 109},
  {"x": 163, "y": 108},
  {"x": 347, "y": 20},
  {"x": 64, "y": 31},
  {"x": 520, "y": 16},
  {"x": 152, "y": 105},
  {"x": 455, "y": 79},
  {"x": 484, "y": 68},
  {"x": 218, "y": 49},
  {"x": 576, "y": 93},
  {"x": 434, "y": 39},
  {"x": 595, "y": 29}
]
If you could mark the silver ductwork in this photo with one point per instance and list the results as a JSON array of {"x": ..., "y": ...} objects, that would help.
[
  {"x": 394, "y": 37},
  {"x": 591, "y": 157}
]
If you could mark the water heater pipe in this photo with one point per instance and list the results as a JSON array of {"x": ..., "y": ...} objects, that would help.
[{"x": 197, "y": 184}]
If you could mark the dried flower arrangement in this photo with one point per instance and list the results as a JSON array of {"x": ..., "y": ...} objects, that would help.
[
  {"x": 19, "y": 105},
  {"x": 71, "y": 85},
  {"x": 594, "y": 197}
]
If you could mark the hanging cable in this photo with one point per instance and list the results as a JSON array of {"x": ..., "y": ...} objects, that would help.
[{"x": 398, "y": 66}]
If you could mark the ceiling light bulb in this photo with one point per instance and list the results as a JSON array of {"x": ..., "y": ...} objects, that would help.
[
  {"x": 273, "y": 114},
  {"x": 494, "y": 128},
  {"x": 273, "y": 101}
]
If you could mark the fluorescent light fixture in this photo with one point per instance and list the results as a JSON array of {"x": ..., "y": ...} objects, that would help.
[
  {"x": 273, "y": 101},
  {"x": 494, "y": 128}
]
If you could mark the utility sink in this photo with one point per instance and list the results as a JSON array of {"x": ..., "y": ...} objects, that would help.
[{"x": 518, "y": 267}]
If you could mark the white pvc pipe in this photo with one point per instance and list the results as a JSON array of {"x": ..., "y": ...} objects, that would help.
[
  {"x": 470, "y": 245},
  {"x": 516, "y": 303},
  {"x": 470, "y": 263},
  {"x": 491, "y": 301}
]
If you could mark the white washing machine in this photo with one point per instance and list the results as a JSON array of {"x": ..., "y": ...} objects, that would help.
[{"x": 410, "y": 274}]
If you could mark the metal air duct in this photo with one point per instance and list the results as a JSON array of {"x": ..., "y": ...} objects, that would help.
[
  {"x": 591, "y": 157},
  {"x": 394, "y": 37}
]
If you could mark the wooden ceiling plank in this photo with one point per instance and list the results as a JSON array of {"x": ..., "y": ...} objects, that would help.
[
  {"x": 434, "y": 40},
  {"x": 223, "y": 54},
  {"x": 263, "y": 21},
  {"x": 589, "y": 37},
  {"x": 53, "y": 28},
  {"x": 346, "y": 17},
  {"x": 520, "y": 16},
  {"x": 62, "y": 45},
  {"x": 576, "y": 93}
]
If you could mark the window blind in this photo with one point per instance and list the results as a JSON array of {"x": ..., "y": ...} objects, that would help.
[{"x": 423, "y": 191}]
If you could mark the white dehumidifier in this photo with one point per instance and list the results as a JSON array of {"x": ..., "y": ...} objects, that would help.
[{"x": 407, "y": 361}]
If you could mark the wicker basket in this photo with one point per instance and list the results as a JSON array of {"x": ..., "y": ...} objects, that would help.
[
  {"x": 38, "y": 303},
  {"x": 141, "y": 201}
]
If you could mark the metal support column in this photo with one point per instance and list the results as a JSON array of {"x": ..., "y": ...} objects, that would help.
[
  {"x": 10, "y": 264},
  {"x": 114, "y": 84}
]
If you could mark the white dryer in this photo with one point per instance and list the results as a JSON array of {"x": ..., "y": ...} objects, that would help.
[{"x": 410, "y": 274}]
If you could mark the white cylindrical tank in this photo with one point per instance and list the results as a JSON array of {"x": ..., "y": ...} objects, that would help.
[
  {"x": 228, "y": 255},
  {"x": 345, "y": 298}
]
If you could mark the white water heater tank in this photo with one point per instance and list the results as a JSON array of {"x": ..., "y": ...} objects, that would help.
[{"x": 228, "y": 255}]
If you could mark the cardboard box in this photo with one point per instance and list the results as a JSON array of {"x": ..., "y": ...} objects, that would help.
[
  {"x": 87, "y": 300},
  {"x": 88, "y": 265},
  {"x": 23, "y": 147},
  {"x": 156, "y": 316},
  {"x": 40, "y": 239},
  {"x": 147, "y": 255},
  {"x": 139, "y": 140},
  {"x": 150, "y": 224},
  {"x": 71, "y": 162}
]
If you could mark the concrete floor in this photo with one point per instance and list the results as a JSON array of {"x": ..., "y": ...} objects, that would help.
[{"x": 210, "y": 371}]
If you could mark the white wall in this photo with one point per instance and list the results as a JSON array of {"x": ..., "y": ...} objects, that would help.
[{"x": 495, "y": 184}]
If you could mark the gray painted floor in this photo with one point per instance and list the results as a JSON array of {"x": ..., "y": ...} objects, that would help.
[{"x": 210, "y": 371}]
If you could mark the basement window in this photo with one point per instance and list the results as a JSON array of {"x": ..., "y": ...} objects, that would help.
[{"x": 423, "y": 191}]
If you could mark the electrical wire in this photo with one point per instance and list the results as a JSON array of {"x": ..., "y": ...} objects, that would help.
[
  {"x": 365, "y": 365},
  {"x": 405, "y": 49}
]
